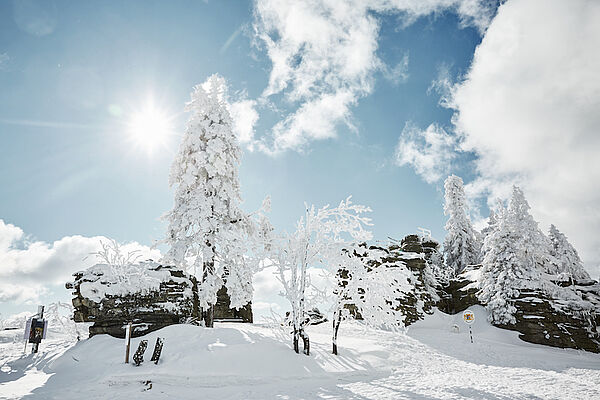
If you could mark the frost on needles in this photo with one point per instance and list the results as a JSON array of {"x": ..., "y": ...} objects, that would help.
[{"x": 206, "y": 223}]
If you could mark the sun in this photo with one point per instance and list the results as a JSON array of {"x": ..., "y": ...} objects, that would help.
[{"x": 149, "y": 128}]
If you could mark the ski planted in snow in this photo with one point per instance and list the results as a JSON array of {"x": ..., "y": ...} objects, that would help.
[
  {"x": 138, "y": 357},
  {"x": 157, "y": 350}
]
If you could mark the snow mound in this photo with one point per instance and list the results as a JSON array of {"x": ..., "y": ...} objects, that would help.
[
  {"x": 244, "y": 361},
  {"x": 192, "y": 357}
]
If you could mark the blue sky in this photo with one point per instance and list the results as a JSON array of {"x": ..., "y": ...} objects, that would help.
[
  {"x": 82, "y": 176},
  {"x": 72, "y": 75}
]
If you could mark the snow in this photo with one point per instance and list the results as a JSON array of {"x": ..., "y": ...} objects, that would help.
[
  {"x": 244, "y": 361},
  {"x": 143, "y": 277}
]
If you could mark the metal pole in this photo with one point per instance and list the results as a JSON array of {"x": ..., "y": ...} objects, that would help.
[{"x": 471, "y": 333}]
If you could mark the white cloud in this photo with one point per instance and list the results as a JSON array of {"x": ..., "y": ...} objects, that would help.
[
  {"x": 324, "y": 57},
  {"x": 267, "y": 289},
  {"x": 27, "y": 268},
  {"x": 244, "y": 117},
  {"x": 430, "y": 152},
  {"x": 528, "y": 108},
  {"x": 399, "y": 73}
]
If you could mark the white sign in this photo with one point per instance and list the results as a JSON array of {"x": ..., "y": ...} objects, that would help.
[
  {"x": 27, "y": 329},
  {"x": 468, "y": 317}
]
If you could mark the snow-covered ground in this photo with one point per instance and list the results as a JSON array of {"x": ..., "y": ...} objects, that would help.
[{"x": 239, "y": 361}]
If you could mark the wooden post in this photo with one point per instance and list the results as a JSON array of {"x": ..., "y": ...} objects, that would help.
[{"x": 127, "y": 342}]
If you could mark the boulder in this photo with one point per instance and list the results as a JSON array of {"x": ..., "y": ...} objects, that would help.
[
  {"x": 412, "y": 254},
  {"x": 148, "y": 295}
]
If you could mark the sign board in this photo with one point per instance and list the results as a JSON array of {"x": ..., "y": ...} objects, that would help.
[
  {"x": 468, "y": 317},
  {"x": 37, "y": 330}
]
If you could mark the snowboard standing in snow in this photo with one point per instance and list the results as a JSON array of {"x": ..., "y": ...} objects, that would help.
[
  {"x": 157, "y": 350},
  {"x": 138, "y": 357}
]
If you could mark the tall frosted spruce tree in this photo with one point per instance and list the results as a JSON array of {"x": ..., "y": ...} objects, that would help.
[
  {"x": 206, "y": 222},
  {"x": 566, "y": 256},
  {"x": 461, "y": 247},
  {"x": 515, "y": 255}
]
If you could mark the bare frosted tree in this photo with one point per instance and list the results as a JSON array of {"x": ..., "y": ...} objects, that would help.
[{"x": 320, "y": 240}]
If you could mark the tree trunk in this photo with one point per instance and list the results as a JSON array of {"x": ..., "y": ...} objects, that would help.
[
  {"x": 305, "y": 342},
  {"x": 209, "y": 316},
  {"x": 337, "y": 320},
  {"x": 296, "y": 339}
]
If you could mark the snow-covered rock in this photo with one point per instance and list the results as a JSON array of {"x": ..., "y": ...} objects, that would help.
[
  {"x": 555, "y": 313},
  {"x": 148, "y": 294}
]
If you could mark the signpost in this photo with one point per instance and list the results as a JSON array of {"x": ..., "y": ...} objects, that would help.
[
  {"x": 127, "y": 342},
  {"x": 35, "y": 330},
  {"x": 469, "y": 318}
]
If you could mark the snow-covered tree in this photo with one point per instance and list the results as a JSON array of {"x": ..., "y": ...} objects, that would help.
[
  {"x": 460, "y": 245},
  {"x": 514, "y": 255},
  {"x": 123, "y": 265},
  {"x": 323, "y": 239},
  {"x": 491, "y": 222},
  {"x": 206, "y": 221},
  {"x": 367, "y": 286},
  {"x": 568, "y": 260}
]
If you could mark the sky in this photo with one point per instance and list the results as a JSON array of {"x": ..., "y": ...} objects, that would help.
[{"x": 378, "y": 99}]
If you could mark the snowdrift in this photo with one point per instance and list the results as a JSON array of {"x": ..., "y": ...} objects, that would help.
[{"x": 243, "y": 361}]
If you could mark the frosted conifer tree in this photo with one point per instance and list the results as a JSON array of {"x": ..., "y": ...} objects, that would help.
[
  {"x": 567, "y": 258},
  {"x": 460, "y": 245},
  {"x": 206, "y": 222},
  {"x": 514, "y": 256},
  {"x": 491, "y": 222}
]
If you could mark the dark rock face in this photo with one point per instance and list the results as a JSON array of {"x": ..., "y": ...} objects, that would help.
[
  {"x": 458, "y": 294},
  {"x": 544, "y": 320},
  {"x": 166, "y": 296},
  {"x": 174, "y": 300},
  {"x": 540, "y": 318},
  {"x": 415, "y": 254},
  {"x": 224, "y": 312}
]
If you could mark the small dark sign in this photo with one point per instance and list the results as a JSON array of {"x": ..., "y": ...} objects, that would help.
[{"x": 36, "y": 333}]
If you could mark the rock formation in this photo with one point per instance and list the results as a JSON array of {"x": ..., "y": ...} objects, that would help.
[
  {"x": 541, "y": 317},
  {"x": 149, "y": 295}
]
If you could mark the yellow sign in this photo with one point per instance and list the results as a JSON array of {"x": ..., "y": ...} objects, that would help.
[{"x": 468, "y": 317}]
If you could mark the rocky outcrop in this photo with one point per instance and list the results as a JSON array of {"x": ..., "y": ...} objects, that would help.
[
  {"x": 415, "y": 254},
  {"x": 224, "y": 312},
  {"x": 458, "y": 294},
  {"x": 541, "y": 317},
  {"x": 149, "y": 295},
  {"x": 166, "y": 296}
]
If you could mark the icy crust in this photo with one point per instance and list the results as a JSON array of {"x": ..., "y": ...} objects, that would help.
[{"x": 103, "y": 280}]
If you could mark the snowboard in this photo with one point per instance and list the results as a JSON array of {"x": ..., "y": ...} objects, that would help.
[
  {"x": 138, "y": 357},
  {"x": 157, "y": 350}
]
